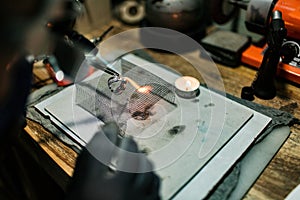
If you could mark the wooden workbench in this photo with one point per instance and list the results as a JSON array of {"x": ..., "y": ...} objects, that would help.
[{"x": 277, "y": 180}]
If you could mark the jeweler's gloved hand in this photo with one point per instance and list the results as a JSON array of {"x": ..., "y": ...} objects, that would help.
[
  {"x": 13, "y": 96},
  {"x": 96, "y": 178}
]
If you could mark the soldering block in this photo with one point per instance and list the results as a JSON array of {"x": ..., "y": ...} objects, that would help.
[{"x": 226, "y": 47}]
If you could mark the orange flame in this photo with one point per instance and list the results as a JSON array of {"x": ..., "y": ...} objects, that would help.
[{"x": 145, "y": 89}]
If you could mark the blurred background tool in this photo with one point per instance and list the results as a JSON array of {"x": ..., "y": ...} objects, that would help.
[
  {"x": 69, "y": 45},
  {"x": 190, "y": 17},
  {"x": 258, "y": 13}
]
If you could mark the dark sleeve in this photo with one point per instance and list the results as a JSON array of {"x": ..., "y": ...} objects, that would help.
[{"x": 12, "y": 111}]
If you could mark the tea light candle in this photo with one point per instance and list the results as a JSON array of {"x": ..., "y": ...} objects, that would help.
[{"x": 187, "y": 87}]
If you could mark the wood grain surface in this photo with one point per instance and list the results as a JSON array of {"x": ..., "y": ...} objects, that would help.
[{"x": 280, "y": 176}]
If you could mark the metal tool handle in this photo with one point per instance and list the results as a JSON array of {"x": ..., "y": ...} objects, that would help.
[{"x": 97, "y": 63}]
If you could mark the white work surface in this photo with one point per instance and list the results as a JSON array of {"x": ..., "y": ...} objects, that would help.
[{"x": 190, "y": 164}]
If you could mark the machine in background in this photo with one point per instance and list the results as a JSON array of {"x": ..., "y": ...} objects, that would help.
[
  {"x": 289, "y": 66},
  {"x": 258, "y": 18}
]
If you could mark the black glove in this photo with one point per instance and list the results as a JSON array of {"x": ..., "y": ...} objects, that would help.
[
  {"x": 96, "y": 180},
  {"x": 12, "y": 105}
]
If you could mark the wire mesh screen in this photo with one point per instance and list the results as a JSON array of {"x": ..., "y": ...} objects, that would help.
[{"x": 95, "y": 97}]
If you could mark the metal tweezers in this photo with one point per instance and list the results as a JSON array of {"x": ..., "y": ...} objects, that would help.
[
  {"x": 97, "y": 63},
  {"x": 116, "y": 77}
]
